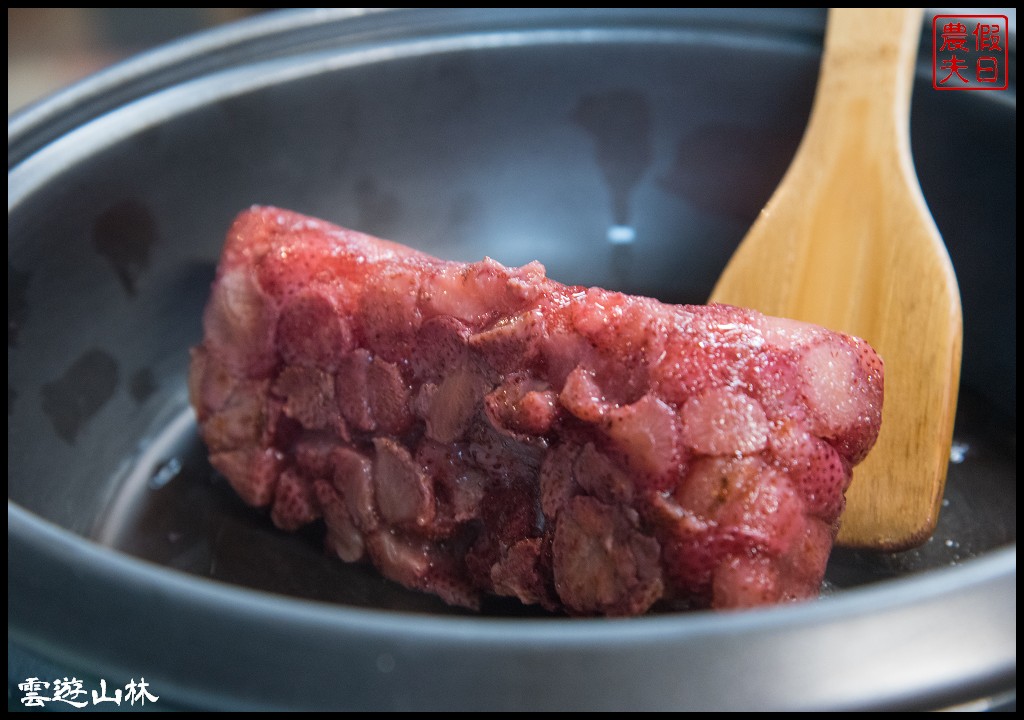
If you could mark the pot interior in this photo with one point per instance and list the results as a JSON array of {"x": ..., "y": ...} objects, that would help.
[{"x": 631, "y": 154}]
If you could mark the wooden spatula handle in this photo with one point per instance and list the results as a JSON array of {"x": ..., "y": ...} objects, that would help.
[
  {"x": 870, "y": 52},
  {"x": 847, "y": 242}
]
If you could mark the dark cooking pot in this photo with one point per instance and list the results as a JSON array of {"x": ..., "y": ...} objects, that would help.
[{"x": 519, "y": 135}]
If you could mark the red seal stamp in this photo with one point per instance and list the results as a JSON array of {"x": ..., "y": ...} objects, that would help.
[{"x": 969, "y": 52}]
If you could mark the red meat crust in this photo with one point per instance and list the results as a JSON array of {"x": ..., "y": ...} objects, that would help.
[{"x": 475, "y": 429}]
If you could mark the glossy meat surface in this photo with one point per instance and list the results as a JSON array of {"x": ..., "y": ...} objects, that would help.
[{"x": 473, "y": 429}]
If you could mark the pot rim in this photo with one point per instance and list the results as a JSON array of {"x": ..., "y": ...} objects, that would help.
[
  {"x": 887, "y": 637},
  {"x": 283, "y": 33}
]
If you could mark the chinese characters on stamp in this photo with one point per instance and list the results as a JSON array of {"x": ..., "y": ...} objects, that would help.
[
  {"x": 37, "y": 693},
  {"x": 969, "y": 52}
]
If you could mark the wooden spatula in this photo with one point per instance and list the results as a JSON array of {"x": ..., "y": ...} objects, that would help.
[{"x": 847, "y": 242}]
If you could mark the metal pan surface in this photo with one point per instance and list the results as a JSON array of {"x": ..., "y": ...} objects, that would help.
[{"x": 534, "y": 134}]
